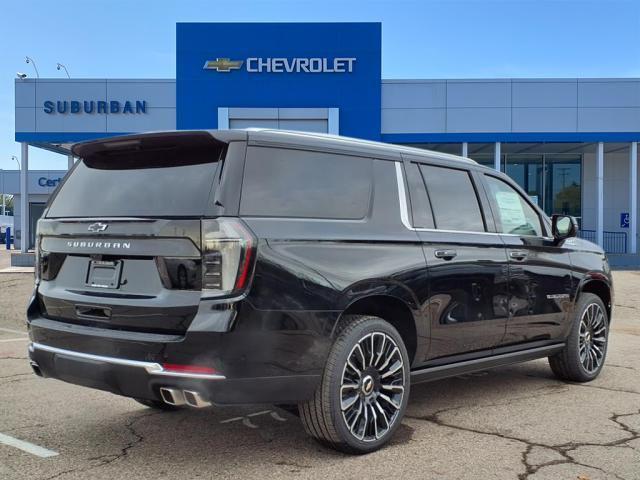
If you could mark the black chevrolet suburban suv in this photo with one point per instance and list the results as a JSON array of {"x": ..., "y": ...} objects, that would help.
[{"x": 325, "y": 273}]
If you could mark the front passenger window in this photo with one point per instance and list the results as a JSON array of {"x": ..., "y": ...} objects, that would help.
[{"x": 515, "y": 215}]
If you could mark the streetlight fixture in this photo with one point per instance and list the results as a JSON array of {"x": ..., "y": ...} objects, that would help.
[
  {"x": 30, "y": 60},
  {"x": 62, "y": 66},
  {"x": 17, "y": 161}
]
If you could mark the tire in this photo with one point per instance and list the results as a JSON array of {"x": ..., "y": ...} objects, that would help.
[
  {"x": 157, "y": 404},
  {"x": 589, "y": 334},
  {"x": 373, "y": 387}
]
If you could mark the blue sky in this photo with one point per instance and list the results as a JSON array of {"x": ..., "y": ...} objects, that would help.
[{"x": 421, "y": 39}]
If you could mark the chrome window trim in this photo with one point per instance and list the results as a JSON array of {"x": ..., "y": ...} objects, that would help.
[
  {"x": 402, "y": 196},
  {"x": 151, "y": 368},
  {"x": 404, "y": 209},
  {"x": 404, "y": 213}
]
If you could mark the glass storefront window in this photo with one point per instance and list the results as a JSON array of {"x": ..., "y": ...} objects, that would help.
[
  {"x": 563, "y": 184},
  {"x": 527, "y": 171},
  {"x": 483, "y": 153},
  {"x": 552, "y": 181}
]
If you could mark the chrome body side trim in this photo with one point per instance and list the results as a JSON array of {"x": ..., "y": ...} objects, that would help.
[{"x": 151, "y": 368}]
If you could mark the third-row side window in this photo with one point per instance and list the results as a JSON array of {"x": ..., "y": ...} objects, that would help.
[
  {"x": 453, "y": 199},
  {"x": 305, "y": 184}
]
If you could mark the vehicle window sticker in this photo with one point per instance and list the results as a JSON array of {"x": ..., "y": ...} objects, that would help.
[{"x": 512, "y": 214}]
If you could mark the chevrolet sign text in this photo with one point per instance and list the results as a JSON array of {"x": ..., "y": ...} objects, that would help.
[{"x": 284, "y": 65}]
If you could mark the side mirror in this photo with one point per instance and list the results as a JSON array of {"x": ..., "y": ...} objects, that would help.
[{"x": 563, "y": 226}]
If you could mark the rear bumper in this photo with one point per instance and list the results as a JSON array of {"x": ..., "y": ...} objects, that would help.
[
  {"x": 139, "y": 379},
  {"x": 268, "y": 357}
]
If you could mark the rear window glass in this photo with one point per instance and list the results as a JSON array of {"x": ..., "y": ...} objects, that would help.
[
  {"x": 304, "y": 184},
  {"x": 129, "y": 186}
]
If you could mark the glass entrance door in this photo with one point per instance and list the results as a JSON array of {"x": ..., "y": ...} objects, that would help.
[{"x": 35, "y": 212}]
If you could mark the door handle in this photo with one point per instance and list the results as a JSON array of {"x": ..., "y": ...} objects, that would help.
[
  {"x": 518, "y": 254},
  {"x": 446, "y": 254}
]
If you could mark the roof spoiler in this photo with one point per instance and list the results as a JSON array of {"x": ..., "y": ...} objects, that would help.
[{"x": 156, "y": 141}]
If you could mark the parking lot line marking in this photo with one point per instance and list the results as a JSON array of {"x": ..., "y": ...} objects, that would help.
[
  {"x": 9, "y": 330},
  {"x": 27, "y": 447},
  {"x": 21, "y": 339}
]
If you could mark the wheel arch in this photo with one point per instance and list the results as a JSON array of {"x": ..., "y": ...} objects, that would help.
[
  {"x": 601, "y": 289},
  {"x": 392, "y": 309}
]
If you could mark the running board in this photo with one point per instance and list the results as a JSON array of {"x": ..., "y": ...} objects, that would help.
[{"x": 451, "y": 370}]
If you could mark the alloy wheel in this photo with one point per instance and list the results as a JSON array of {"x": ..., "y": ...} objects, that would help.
[
  {"x": 372, "y": 386},
  {"x": 593, "y": 337}
]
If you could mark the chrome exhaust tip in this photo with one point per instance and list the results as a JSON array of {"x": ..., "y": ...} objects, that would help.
[
  {"x": 195, "y": 400},
  {"x": 36, "y": 368},
  {"x": 172, "y": 396}
]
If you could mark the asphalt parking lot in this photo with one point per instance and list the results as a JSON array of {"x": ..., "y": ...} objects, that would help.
[{"x": 514, "y": 423}]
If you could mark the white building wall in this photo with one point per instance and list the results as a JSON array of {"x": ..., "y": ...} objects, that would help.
[{"x": 511, "y": 105}]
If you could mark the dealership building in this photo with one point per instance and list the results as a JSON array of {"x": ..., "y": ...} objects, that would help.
[{"x": 571, "y": 143}]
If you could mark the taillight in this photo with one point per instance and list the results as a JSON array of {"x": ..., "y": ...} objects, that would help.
[
  {"x": 228, "y": 248},
  {"x": 38, "y": 256}
]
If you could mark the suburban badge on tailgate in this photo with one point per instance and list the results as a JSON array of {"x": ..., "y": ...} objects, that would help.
[{"x": 90, "y": 244}]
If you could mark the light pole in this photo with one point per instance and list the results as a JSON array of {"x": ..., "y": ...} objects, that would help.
[
  {"x": 61, "y": 65},
  {"x": 13, "y": 157},
  {"x": 30, "y": 60}
]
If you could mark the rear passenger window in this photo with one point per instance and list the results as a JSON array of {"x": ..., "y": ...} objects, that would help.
[
  {"x": 297, "y": 183},
  {"x": 453, "y": 199}
]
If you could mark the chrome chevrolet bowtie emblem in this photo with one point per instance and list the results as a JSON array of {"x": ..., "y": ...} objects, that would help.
[
  {"x": 97, "y": 227},
  {"x": 223, "y": 64}
]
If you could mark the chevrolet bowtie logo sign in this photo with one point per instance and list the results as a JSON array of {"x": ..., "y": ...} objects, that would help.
[
  {"x": 223, "y": 64},
  {"x": 284, "y": 65}
]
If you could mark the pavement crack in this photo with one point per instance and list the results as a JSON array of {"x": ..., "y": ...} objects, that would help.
[
  {"x": 296, "y": 466},
  {"x": 552, "y": 390},
  {"x": 563, "y": 449},
  {"x": 13, "y": 358},
  {"x": 124, "y": 451},
  {"x": 627, "y": 367},
  {"x": 16, "y": 375},
  {"x": 110, "y": 458},
  {"x": 620, "y": 390},
  {"x": 625, "y": 306},
  {"x": 64, "y": 472}
]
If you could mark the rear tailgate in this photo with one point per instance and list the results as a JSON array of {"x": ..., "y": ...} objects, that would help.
[
  {"x": 120, "y": 244},
  {"x": 150, "y": 281}
]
